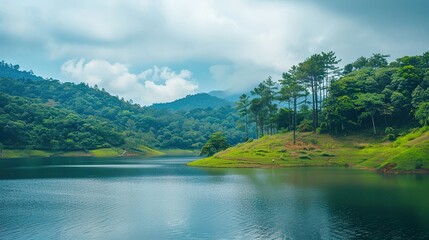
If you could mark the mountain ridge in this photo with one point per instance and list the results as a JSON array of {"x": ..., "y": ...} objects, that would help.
[{"x": 195, "y": 101}]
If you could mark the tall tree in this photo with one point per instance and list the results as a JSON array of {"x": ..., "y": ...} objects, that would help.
[
  {"x": 422, "y": 113},
  {"x": 259, "y": 108},
  {"x": 377, "y": 60},
  {"x": 360, "y": 63},
  {"x": 271, "y": 88},
  {"x": 312, "y": 71},
  {"x": 243, "y": 108},
  {"x": 292, "y": 88},
  {"x": 370, "y": 104},
  {"x": 263, "y": 105},
  {"x": 331, "y": 72}
]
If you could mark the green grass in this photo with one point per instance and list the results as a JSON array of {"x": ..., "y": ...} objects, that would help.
[
  {"x": 362, "y": 150},
  {"x": 106, "y": 152},
  {"x": 143, "y": 150},
  {"x": 409, "y": 152},
  {"x": 73, "y": 154},
  {"x": 21, "y": 153},
  {"x": 101, "y": 152}
]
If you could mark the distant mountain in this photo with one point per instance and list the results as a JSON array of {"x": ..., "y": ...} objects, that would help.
[
  {"x": 231, "y": 97},
  {"x": 200, "y": 100}
]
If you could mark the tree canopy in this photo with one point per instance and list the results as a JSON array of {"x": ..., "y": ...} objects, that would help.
[
  {"x": 216, "y": 143},
  {"x": 368, "y": 93}
]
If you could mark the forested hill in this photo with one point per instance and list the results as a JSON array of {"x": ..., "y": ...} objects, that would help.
[
  {"x": 371, "y": 114},
  {"x": 387, "y": 97},
  {"x": 200, "y": 100},
  {"x": 8, "y": 70},
  {"x": 29, "y": 105}
]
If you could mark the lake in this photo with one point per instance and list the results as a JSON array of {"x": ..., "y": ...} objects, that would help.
[{"x": 161, "y": 198}]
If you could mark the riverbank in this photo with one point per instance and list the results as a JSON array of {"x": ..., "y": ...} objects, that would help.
[
  {"x": 408, "y": 154},
  {"x": 101, "y": 152}
]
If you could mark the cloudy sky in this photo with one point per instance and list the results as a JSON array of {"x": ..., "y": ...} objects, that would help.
[{"x": 160, "y": 50}]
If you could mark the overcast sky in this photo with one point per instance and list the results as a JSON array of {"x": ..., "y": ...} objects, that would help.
[{"x": 160, "y": 50}]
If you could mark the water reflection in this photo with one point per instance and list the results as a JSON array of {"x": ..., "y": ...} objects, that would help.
[{"x": 77, "y": 198}]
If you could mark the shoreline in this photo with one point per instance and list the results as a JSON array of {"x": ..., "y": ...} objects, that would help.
[
  {"x": 408, "y": 154},
  {"x": 103, "y": 152},
  {"x": 387, "y": 170},
  {"x": 264, "y": 166},
  {"x": 96, "y": 153}
]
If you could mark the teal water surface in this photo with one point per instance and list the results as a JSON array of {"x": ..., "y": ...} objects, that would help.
[{"x": 161, "y": 198}]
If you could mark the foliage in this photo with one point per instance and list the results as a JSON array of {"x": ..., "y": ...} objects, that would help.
[
  {"x": 32, "y": 124},
  {"x": 131, "y": 124},
  {"x": 243, "y": 109},
  {"x": 291, "y": 90},
  {"x": 263, "y": 107},
  {"x": 370, "y": 104},
  {"x": 386, "y": 94},
  {"x": 216, "y": 143},
  {"x": 422, "y": 113},
  {"x": 8, "y": 70}
]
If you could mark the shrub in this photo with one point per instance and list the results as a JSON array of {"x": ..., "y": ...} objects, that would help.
[
  {"x": 305, "y": 126},
  {"x": 262, "y": 151},
  {"x": 419, "y": 165},
  {"x": 391, "y": 137},
  {"x": 327, "y": 155}
]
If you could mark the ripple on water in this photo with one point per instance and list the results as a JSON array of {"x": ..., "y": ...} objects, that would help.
[{"x": 175, "y": 202}]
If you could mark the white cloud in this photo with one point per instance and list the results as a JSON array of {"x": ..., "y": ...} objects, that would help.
[
  {"x": 263, "y": 37},
  {"x": 153, "y": 85}
]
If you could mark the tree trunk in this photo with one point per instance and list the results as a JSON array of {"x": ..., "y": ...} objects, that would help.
[
  {"x": 321, "y": 96},
  {"x": 247, "y": 127},
  {"x": 291, "y": 117},
  {"x": 313, "y": 103},
  {"x": 294, "y": 120},
  {"x": 373, "y": 124},
  {"x": 316, "y": 113}
]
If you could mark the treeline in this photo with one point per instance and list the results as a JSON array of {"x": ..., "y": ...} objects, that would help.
[
  {"x": 134, "y": 125},
  {"x": 316, "y": 95},
  {"x": 378, "y": 93},
  {"x": 8, "y": 70}
]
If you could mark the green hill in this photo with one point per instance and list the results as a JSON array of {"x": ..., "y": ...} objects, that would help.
[
  {"x": 34, "y": 108},
  {"x": 407, "y": 153}
]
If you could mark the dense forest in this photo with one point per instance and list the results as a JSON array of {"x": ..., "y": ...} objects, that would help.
[
  {"x": 316, "y": 95},
  {"x": 34, "y": 110},
  {"x": 26, "y": 122}
]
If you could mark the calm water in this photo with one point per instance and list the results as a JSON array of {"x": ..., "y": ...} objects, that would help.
[{"x": 86, "y": 198}]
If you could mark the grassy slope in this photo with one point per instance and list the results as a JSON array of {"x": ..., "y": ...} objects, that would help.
[
  {"x": 363, "y": 151},
  {"x": 408, "y": 153},
  {"x": 101, "y": 152}
]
